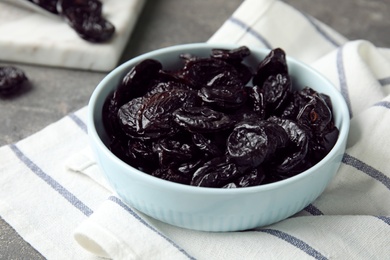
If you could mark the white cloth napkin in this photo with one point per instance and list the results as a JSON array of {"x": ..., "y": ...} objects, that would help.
[
  {"x": 52, "y": 194},
  {"x": 29, "y": 37}
]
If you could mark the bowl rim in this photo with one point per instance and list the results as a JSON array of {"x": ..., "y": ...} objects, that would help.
[{"x": 94, "y": 136}]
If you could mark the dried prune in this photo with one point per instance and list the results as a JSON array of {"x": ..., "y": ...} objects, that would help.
[
  {"x": 215, "y": 173},
  {"x": 202, "y": 119},
  {"x": 134, "y": 84},
  {"x": 234, "y": 55},
  {"x": 273, "y": 63},
  {"x": 85, "y": 17},
  {"x": 199, "y": 72},
  {"x": 277, "y": 89},
  {"x": 206, "y": 145},
  {"x": 253, "y": 142},
  {"x": 298, "y": 148},
  {"x": 11, "y": 79},
  {"x": 201, "y": 125},
  {"x": 254, "y": 177},
  {"x": 174, "y": 150},
  {"x": 224, "y": 96}
]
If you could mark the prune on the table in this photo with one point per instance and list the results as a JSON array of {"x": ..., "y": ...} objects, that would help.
[
  {"x": 11, "y": 79},
  {"x": 202, "y": 119},
  {"x": 86, "y": 18},
  {"x": 201, "y": 125}
]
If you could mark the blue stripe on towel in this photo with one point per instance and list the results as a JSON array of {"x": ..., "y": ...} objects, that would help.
[
  {"x": 385, "y": 104},
  {"x": 342, "y": 79},
  {"x": 136, "y": 216},
  {"x": 370, "y": 171},
  {"x": 384, "y": 81},
  {"x": 324, "y": 34},
  {"x": 51, "y": 182},
  {"x": 78, "y": 122},
  {"x": 313, "y": 210},
  {"x": 385, "y": 219},
  {"x": 251, "y": 31},
  {"x": 295, "y": 242}
]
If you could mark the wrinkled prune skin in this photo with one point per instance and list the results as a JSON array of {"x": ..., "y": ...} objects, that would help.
[
  {"x": 153, "y": 118},
  {"x": 174, "y": 151},
  {"x": 299, "y": 145},
  {"x": 253, "y": 177},
  {"x": 215, "y": 173},
  {"x": 199, "y": 72},
  {"x": 235, "y": 55},
  {"x": 273, "y": 63},
  {"x": 206, "y": 145},
  {"x": 253, "y": 142},
  {"x": 202, "y": 119},
  {"x": 223, "y": 97},
  {"x": 134, "y": 84},
  {"x": 11, "y": 79},
  {"x": 202, "y": 125},
  {"x": 85, "y": 17}
]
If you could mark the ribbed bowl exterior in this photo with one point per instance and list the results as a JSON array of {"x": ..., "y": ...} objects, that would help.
[{"x": 211, "y": 209}]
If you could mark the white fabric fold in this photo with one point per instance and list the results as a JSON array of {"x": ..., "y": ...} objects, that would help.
[{"x": 54, "y": 197}]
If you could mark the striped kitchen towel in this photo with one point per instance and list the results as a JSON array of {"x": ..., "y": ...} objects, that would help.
[{"x": 53, "y": 196}]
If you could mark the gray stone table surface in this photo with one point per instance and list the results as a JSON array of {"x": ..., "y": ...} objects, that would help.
[{"x": 56, "y": 92}]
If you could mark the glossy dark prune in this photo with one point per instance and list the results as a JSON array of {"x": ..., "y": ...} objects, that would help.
[
  {"x": 273, "y": 63},
  {"x": 202, "y": 119},
  {"x": 206, "y": 145},
  {"x": 315, "y": 114},
  {"x": 11, "y": 79},
  {"x": 224, "y": 96},
  {"x": 129, "y": 115},
  {"x": 215, "y": 173},
  {"x": 254, "y": 177},
  {"x": 257, "y": 101},
  {"x": 85, "y": 17},
  {"x": 297, "y": 150},
  {"x": 234, "y": 55},
  {"x": 199, "y": 72},
  {"x": 134, "y": 84},
  {"x": 276, "y": 89},
  {"x": 173, "y": 150},
  {"x": 153, "y": 118},
  {"x": 253, "y": 142},
  {"x": 137, "y": 81}
]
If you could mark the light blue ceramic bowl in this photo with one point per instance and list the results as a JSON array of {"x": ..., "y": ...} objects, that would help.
[{"x": 212, "y": 209}]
